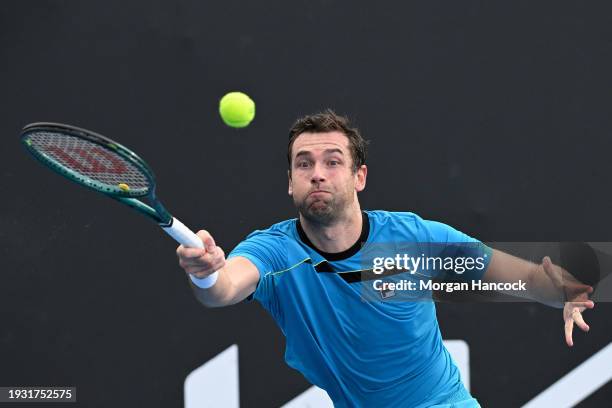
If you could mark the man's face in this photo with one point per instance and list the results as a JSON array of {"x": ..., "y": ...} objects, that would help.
[{"x": 321, "y": 181}]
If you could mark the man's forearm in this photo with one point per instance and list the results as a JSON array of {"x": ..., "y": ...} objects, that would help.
[
  {"x": 539, "y": 287},
  {"x": 542, "y": 289},
  {"x": 237, "y": 280},
  {"x": 218, "y": 295}
]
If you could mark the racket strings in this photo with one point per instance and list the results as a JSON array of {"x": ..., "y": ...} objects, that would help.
[{"x": 89, "y": 160}]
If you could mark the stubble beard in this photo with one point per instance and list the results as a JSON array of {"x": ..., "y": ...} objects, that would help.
[{"x": 322, "y": 211}]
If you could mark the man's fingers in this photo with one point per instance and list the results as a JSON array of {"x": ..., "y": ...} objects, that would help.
[
  {"x": 569, "y": 328},
  {"x": 207, "y": 239},
  {"x": 198, "y": 263},
  {"x": 587, "y": 304},
  {"x": 216, "y": 259},
  {"x": 195, "y": 254},
  {"x": 219, "y": 253},
  {"x": 578, "y": 290},
  {"x": 209, "y": 244},
  {"x": 201, "y": 263},
  {"x": 189, "y": 253},
  {"x": 203, "y": 258},
  {"x": 577, "y": 317},
  {"x": 200, "y": 271}
]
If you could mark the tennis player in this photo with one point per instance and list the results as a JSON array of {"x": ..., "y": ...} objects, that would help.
[{"x": 309, "y": 274}]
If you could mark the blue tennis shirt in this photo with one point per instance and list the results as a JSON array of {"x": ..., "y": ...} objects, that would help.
[{"x": 366, "y": 347}]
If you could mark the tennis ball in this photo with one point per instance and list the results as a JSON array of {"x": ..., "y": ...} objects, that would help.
[
  {"x": 237, "y": 109},
  {"x": 123, "y": 187}
]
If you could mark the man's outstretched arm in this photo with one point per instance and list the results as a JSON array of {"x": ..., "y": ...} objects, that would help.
[
  {"x": 237, "y": 278},
  {"x": 545, "y": 283}
]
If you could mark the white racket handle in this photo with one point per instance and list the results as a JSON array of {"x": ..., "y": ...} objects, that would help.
[{"x": 186, "y": 237}]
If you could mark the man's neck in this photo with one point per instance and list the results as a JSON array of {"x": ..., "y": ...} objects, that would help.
[{"x": 336, "y": 237}]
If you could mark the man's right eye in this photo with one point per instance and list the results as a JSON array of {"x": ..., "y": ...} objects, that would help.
[{"x": 303, "y": 164}]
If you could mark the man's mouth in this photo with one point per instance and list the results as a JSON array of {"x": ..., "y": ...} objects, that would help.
[{"x": 318, "y": 192}]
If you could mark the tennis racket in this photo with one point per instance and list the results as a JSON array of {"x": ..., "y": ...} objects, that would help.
[{"x": 107, "y": 167}]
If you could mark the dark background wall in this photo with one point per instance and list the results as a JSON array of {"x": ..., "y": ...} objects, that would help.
[{"x": 491, "y": 116}]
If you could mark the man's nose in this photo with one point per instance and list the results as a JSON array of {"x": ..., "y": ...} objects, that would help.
[{"x": 318, "y": 174}]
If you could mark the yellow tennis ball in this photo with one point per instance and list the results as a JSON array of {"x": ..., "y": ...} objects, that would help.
[
  {"x": 123, "y": 187},
  {"x": 237, "y": 109}
]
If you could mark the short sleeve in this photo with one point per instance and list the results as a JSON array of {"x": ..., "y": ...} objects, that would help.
[
  {"x": 469, "y": 257},
  {"x": 265, "y": 249}
]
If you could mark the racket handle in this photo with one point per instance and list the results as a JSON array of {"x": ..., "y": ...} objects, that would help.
[
  {"x": 183, "y": 235},
  {"x": 186, "y": 237}
]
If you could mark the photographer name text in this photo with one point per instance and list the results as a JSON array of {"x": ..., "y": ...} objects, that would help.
[{"x": 475, "y": 285}]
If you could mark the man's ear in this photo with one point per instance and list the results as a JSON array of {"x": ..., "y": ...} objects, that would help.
[
  {"x": 362, "y": 174},
  {"x": 290, "y": 190}
]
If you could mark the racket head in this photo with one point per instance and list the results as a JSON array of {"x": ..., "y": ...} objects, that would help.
[{"x": 89, "y": 159}]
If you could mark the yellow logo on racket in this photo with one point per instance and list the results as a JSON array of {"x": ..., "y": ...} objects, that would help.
[{"x": 123, "y": 187}]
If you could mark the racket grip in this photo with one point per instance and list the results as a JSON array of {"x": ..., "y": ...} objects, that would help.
[
  {"x": 188, "y": 238},
  {"x": 183, "y": 235}
]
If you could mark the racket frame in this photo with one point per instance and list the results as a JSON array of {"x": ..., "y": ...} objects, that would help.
[{"x": 156, "y": 211}]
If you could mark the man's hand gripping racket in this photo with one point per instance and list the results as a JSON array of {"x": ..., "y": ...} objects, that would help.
[{"x": 101, "y": 164}]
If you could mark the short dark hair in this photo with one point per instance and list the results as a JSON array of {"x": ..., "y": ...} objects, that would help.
[{"x": 329, "y": 121}]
